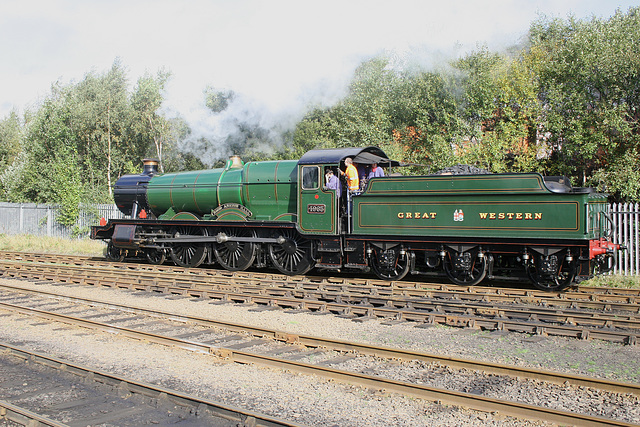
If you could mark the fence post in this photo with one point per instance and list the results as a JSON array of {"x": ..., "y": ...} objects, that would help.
[
  {"x": 625, "y": 235},
  {"x": 48, "y": 221},
  {"x": 616, "y": 236},
  {"x": 635, "y": 241}
]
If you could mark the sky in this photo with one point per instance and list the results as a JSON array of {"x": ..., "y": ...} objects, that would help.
[{"x": 278, "y": 55}]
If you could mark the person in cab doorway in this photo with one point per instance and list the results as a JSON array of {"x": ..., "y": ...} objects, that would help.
[
  {"x": 351, "y": 174},
  {"x": 376, "y": 171},
  {"x": 333, "y": 183},
  {"x": 353, "y": 187}
]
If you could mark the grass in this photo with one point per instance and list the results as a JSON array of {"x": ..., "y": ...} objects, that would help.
[
  {"x": 52, "y": 245},
  {"x": 613, "y": 281}
]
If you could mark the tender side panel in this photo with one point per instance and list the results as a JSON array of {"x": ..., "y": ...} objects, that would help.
[
  {"x": 471, "y": 216},
  {"x": 451, "y": 185}
]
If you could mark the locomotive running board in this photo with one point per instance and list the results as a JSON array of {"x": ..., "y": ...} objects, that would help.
[{"x": 218, "y": 238}]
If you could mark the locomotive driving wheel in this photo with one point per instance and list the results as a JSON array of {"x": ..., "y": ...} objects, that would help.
[
  {"x": 188, "y": 254},
  {"x": 551, "y": 272},
  {"x": 390, "y": 264},
  {"x": 155, "y": 256},
  {"x": 114, "y": 253},
  {"x": 465, "y": 268},
  {"x": 292, "y": 256},
  {"x": 234, "y": 255}
]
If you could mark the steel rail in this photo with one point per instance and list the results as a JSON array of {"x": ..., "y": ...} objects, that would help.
[
  {"x": 24, "y": 417},
  {"x": 149, "y": 390},
  {"x": 599, "y": 300},
  {"x": 346, "y": 346},
  {"x": 576, "y": 293},
  {"x": 477, "y": 402},
  {"x": 568, "y": 325},
  {"x": 437, "y": 315},
  {"x": 548, "y": 315}
]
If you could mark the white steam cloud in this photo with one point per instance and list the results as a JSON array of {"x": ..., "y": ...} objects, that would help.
[{"x": 278, "y": 56}]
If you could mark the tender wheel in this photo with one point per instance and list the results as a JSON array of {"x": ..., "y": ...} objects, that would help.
[
  {"x": 113, "y": 253},
  {"x": 465, "y": 268},
  {"x": 188, "y": 254},
  {"x": 235, "y": 256},
  {"x": 389, "y": 264},
  {"x": 551, "y": 272},
  {"x": 294, "y": 255},
  {"x": 155, "y": 256}
]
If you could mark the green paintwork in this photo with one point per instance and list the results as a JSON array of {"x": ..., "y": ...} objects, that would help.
[
  {"x": 270, "y": 190},
  {"x": 458, "y": 184},
  {"x": 317, "y": 208},
  {"x": 510, "y": 205},
  {"x": 474, "y": 206},
  {"x": 266, "y": 189}
]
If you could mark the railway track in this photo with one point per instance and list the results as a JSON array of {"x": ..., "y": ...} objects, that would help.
[
  {"x": 576, "y": 296},
  {"x": 614, "y": 318},
  {"x": 41, "y": 390},
  {"x": 276, "y": 349}
]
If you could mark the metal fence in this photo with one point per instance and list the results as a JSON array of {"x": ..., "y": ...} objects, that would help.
[
  {"x": 625, "y": 218},
  {"x": 40, "y": 220}
]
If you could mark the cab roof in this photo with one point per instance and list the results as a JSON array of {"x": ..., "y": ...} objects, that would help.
[{"x": 362, "y": 155}]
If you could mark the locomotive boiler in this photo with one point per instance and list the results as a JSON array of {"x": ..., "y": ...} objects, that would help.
[{"x": 281, "y": 214}]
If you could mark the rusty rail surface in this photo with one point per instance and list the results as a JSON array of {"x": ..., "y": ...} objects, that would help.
[
  {"x": 612, "y": 326},
  {"x": 576, "y": 293},
  {"x": 452, "y": 397},
  {"x": 352, "y": 347},
  {"x": 16, "y": 415},
  {"x": 120, "y": 383}
]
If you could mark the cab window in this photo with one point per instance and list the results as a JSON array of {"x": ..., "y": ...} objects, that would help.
[{"x": 310, "y": 177}]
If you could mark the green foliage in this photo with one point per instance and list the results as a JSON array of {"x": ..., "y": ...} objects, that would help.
[
  {"x": 409, "y": 115},
  {"x": 621, "y": 177},
  {"x": 10, "y": 139},
  {"x": 147, "y": 124},
  {"x": 81, "y": 139},
  {"x": 590, "y": 88},
  {"x": 567, "y": 102},
  {"x": 217, "y": 100},
  {"x": 67, "y": 185}
]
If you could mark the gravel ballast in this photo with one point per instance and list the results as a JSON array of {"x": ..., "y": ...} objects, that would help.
[{"x": 310, "y": 400}]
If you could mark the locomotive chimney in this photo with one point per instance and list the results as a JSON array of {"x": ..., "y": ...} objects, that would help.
[{"x": 150, "y": 167}]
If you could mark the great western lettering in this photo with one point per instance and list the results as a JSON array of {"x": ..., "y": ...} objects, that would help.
[{"x": 511, "y": 215}]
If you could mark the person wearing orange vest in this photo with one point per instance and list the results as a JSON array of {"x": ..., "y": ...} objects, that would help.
[{"x": 353, "y": 182}]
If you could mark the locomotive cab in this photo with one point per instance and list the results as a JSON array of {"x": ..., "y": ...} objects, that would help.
[{"x": 322, "y": 210}]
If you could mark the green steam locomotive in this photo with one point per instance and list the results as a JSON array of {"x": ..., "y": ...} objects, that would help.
[{"x": 282, "y": 214}]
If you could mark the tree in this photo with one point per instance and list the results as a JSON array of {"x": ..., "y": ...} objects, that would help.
[
  {"x": 425, "y": 120},
  {"x": 218, "y": 100},
  {"x": 411, "y": 115},
  {"x": 590, "y": 89},
  {"x": 100, "y": 113},
  {"x": 11, "y": 131},
  {"x": 147, "y": 123},
  {"x": 499, "y": 110}
]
